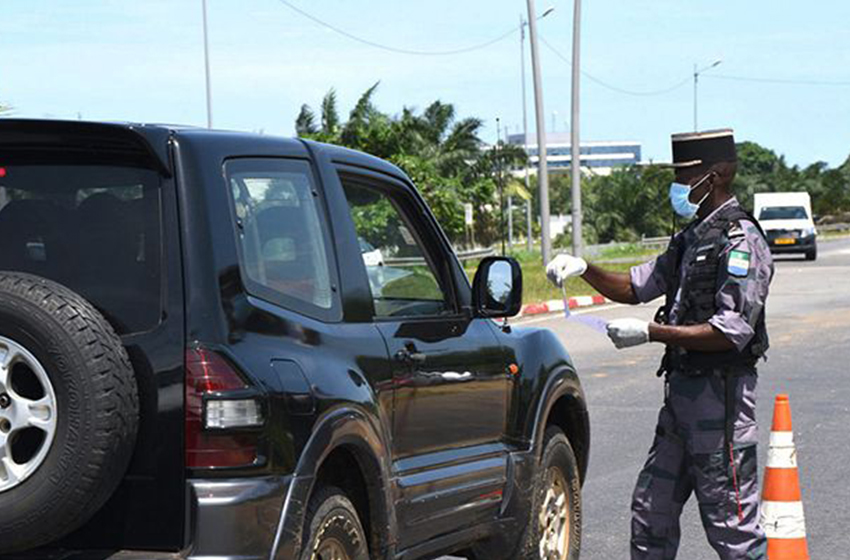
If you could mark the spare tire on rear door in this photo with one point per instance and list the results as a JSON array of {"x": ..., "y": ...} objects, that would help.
[{"x": 69, "y": 411}]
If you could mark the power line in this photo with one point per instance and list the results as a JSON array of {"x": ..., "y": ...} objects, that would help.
[
  {"x": 612, "y": 87},
  {"x": 396, "y": 50},
  {"x": 776, "y": 80},
  {"x": 588, "y": 75}
]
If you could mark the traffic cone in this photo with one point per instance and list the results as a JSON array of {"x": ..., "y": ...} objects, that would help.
[{"x": 781, "y": 507}]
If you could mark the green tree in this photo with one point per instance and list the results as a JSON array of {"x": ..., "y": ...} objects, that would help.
[
  {"x": 762, "y": 170},
  {"x": 442, "y": 155},
  {"x": 629, "y": 203},
  {"x": 328, "y": 129}
]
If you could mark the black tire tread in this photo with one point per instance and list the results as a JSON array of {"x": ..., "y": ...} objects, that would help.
[
  {"x": 321, "y": 496},
  {"x": 525, "y": 547},
  {"x": 115, "y": 406}
]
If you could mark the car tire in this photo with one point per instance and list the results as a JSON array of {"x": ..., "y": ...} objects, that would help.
[
  {"x": 812, "y": 254},
  {"x": 557, "y": 478},
  {"x": 333, "y": 529},
  {"x": 68, "y": 411},
  {"x": 557, "y": 459}
]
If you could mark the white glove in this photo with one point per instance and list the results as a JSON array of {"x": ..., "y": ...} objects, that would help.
[
  {"x": 628, "y": 332},
  {"x": 563, "y": 266}
]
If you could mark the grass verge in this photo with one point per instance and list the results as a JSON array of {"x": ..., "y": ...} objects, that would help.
[{"x": 535, "y": 286}]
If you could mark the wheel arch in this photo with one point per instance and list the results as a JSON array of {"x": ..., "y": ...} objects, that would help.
[
  {"x": 562, "y": 404},
  {"x": 348, "y": 439}
]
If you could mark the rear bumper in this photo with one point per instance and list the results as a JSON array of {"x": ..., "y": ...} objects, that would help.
[
  {"x": 227, "y": 519},
  {"x": 95, "y": 555},
  {"x": 235, "y": 518},
  {"x": 247, "y": 519}
]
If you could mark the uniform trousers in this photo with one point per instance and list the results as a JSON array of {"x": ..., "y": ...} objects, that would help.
[{"x": 689, "y": 455}]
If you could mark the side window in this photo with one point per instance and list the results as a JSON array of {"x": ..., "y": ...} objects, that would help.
[
  {"x": 405, "y": 282},
  {"x": 282, "y": 241}
]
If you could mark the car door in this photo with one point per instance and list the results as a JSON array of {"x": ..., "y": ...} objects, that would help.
[{"x": 449, "y": 376}]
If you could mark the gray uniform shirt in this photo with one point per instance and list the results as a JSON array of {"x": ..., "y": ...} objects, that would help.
[{"x": 744, "y": 275}]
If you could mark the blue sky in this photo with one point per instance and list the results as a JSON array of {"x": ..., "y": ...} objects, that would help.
[{"x": 143, "y": 60}]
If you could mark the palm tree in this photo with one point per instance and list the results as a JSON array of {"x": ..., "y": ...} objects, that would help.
[
  {"x": 328, "y": 131},
  {"x": 305, "y": 123},
  {"x": 443, "y": 155},
  {"x": 435, "y": 135}
]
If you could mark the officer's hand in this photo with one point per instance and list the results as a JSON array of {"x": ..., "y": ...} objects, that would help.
[
  {"x": 628, "y": 332},
  {"x": 563, "y": 266}
]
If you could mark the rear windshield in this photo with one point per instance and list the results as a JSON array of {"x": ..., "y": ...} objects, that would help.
[
  {"x": 783, "y": 213},
  {"x": 92, "y": 228}
]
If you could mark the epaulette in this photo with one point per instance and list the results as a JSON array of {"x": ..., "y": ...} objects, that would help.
[{"x": 735, "y": 231}]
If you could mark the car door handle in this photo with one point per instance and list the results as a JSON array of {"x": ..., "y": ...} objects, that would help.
[{"x": 409, "y": 355}]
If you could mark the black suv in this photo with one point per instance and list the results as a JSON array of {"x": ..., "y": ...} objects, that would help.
[{"x": 216, "y": 344}]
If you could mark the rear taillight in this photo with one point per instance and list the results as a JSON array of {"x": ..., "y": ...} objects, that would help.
[{"x": 216, "y": 404}]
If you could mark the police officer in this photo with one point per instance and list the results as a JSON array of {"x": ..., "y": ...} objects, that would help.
[{"x": 715, "y": 276}]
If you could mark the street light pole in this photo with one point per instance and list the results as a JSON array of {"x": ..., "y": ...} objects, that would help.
[
  {"x": 529, "y": 241},
  {"x": 575, "y": 145},
  {"x": 510, "y": 221},
  {"x": 542, "y": 168},
  {"x": 207, "y": 65},
  {"x": 500, "y": 183},
  {"x": 529, "y": 236},
  {"x": 696, "y": 81}
]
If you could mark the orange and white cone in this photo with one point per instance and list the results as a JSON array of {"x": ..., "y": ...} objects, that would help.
[{"x": 782, "y": 507}]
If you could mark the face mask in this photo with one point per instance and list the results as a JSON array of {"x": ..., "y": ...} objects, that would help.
[{"x": 680, "y": 198}]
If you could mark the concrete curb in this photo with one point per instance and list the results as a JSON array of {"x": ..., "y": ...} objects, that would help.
[{"x": 554, "y": 305}]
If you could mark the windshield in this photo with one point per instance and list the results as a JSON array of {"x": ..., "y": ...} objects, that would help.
[
  {"x": 783, "y": 213},
  {"x": 365, "y": 246}
]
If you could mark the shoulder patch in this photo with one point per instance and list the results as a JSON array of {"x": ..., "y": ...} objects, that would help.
[{"x": 739, "y": 263}]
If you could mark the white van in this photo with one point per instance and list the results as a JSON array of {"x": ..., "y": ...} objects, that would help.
[{"x": 786, "y": 218}]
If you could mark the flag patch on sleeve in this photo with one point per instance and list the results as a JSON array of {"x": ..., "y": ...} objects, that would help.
[{"x": 739, "y": 263}]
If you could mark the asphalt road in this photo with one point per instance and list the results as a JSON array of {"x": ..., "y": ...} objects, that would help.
[{"x": 808, "y": 317}]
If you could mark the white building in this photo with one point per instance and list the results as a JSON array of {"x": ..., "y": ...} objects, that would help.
[{"x": 598, "y": 158}]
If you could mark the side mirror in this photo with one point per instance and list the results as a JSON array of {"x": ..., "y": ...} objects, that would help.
[{"x": 497, "y": 288}]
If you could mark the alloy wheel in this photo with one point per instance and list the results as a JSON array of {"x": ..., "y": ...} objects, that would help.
[
  {"x": 330, "y": 549},
  {"x": 28, "y": 414},
  {"x": 555, "y": 517}
]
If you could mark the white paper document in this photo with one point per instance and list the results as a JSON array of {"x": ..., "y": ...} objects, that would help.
[{"x": 596, "y": 323}]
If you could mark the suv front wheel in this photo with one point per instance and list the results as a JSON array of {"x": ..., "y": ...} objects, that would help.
[
  {"x": 557, "y": 503},
  {"x": 553, "y": 528}
]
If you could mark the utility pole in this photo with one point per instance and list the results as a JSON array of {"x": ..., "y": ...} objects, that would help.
[
  {"x": 510, "y": 210},
  {"x": 207, "y": 65},
  {"x": 540, "y": 118},
  {"x": 501, "y": 183},
  {"x": 696, "y": 81},
  {"x": 510, "y": 221},
  {"x": 696, "y": 78},
  {"x": 529, "y": 242},
  {"x": 575, "y": 145}
]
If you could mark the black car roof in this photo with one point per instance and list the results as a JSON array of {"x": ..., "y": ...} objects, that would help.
[{"x": 153, "y": 139}]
